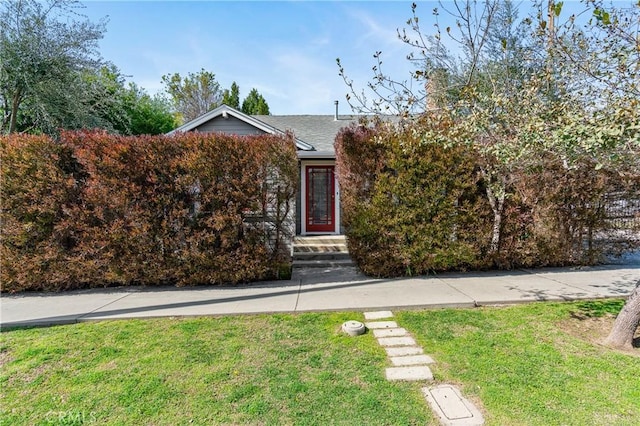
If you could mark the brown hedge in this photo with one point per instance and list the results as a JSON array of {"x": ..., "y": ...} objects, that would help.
[
  {"x": 409, "y": 207},
  {"x": 413, "y": 203},
  {"x": 96, "y": 210}
]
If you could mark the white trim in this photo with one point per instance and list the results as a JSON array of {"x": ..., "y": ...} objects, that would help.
[
  {"x": 303, "y": 196},
  {"x": 309, "y": 155},
  {"x": 225, "y": 109}
]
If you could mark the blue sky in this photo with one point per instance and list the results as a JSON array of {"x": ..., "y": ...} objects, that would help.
[{"x": 286, "y": 50}]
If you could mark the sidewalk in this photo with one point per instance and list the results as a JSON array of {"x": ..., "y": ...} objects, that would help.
[{"x": 323, "y": 290}]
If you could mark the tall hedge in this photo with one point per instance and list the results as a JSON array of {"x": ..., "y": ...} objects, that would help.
[
  {"x": 415, "y": 202},
  {"x": 410, "y": 205},
  {"x": 95, "y": 210},
  {"x": 36, "y": 195}
]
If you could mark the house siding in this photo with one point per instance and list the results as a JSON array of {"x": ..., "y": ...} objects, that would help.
[
  {"x": 298, "y": 221},
  {"x": 230, "y": 125}
]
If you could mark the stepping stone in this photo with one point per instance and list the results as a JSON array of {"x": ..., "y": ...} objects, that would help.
[
  {"x": 409, "y": 373},
  {"x": 411, "y": 360},
  {"x": 397, "y": 341},
  {"x": 381, "y": 324},
  {"x": 389, "y": 332},
  {"x": 377, "y": 315},
  {"x": 451, "y": 408},
  {"x": 404, "y": 350}
]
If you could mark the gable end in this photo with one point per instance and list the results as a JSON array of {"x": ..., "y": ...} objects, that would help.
[{"x": 229, "y": 125}]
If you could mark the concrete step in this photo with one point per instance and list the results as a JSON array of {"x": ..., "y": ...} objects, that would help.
[
  {"x": 299, "y": 248},
  {"x": 320, "y": 251},
  {"x": 335, "y": 255},
  {"x": 320, "y": 239},
  {"x": 322, "y": 263}
]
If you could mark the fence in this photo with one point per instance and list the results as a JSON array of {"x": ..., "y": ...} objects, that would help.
[{"x": 622, "y": 210}]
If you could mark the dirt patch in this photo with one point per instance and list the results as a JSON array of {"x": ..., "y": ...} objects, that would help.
[
  {"x": 111, "y": 365},
  {"x": 594, "y": 330},
  {"x": 5, "y": 358}
]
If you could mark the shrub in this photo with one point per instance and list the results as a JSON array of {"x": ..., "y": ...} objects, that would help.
[
  {"x": 415, "y": 202},
  {"x": 35, "y": 193},
  {"x": 557, "y": 215},
  {"x": 149, "y": 210},
  {"x": 410, "y": 203}
]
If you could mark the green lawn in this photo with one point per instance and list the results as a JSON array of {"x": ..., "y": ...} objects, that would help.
[
  {"x": 271, "y": 369},
  {"x": 526, "y": 370},
  {"x": 299, "y": 369}
]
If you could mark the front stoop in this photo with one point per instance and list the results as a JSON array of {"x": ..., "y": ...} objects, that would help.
[{"x": 324, "y": 251}]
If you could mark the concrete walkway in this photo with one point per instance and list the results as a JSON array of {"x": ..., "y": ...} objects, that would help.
[{"x": 323, "y": 290}]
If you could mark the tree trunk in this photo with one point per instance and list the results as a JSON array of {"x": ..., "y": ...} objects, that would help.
[
  {"x": 15, "y": 104},
  {"x": 497, "y": 205},
  {"x": 627, "y": 322},
  {"x": 497, "y": 224}
]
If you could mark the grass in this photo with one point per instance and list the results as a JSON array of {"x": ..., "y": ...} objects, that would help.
[
  {"x": 278, "y": 369},
  {"x": 517, "y": 363},
  {"x": 526, "y": 370}
]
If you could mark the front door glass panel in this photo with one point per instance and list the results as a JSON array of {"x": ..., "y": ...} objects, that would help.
[{"x": 320, "y": 199}]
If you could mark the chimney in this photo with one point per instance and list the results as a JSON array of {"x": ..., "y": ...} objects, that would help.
[{"x": 335, "y": 117}]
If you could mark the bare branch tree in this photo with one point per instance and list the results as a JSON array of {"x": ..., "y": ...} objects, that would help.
[{"x": 438, "y": 72}]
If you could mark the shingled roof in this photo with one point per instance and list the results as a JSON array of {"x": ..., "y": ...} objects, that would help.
[
  {"x": 317, "y": 130},
  {"x": 314, "y": 134}
]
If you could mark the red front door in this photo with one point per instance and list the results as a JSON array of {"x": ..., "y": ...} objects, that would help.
[{"x": 321, "y": 200}]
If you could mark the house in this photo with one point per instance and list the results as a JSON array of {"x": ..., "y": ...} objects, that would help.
[{"x": 318, "y": 199}]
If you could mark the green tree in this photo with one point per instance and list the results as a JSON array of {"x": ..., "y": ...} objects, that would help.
[
  {"x": 193, "y": 95},
  {"x": 232, "y": 97},
  {"x": 152, "y": 115},
  {"x": 124, "y": 108},
  {"x": 147, "y": 115},
  {"x": 105, "y": 95},
  {"x": 255, "y": 104},
  {"x": 44, "y": 47}
]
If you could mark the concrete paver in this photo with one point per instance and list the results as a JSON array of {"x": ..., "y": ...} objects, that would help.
[
  {"x": 378, "y": 315},
  {"x": 397, "y": 341},
  {"x": 389, "y": 332},
  {"x": 381, "y": 324},
  {"x": 413, "y": 373},
  {"x": 410, "y": 364},
  {"x": 411, "y": 360},
  {"x": 393, "y": 351}
]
